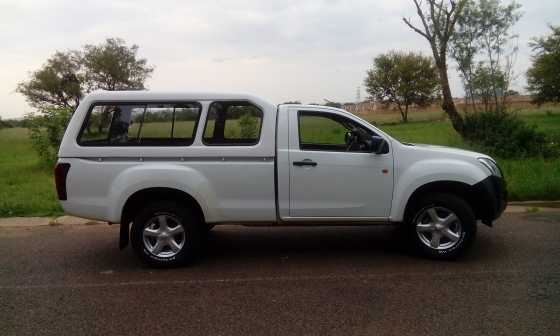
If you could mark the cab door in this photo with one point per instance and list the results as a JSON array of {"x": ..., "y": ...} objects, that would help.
[{"x": 333, "y": 177}]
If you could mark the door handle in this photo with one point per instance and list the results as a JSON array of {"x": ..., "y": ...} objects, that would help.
[{"x": 304, "y": 163}]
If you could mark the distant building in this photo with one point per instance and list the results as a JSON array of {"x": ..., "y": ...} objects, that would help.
[{"x": 361, "y": 108}]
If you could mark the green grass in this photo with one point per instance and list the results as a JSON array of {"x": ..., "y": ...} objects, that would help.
[
  {"x": 182, "y": 129},
  {"x": 321, "y": 130},
  {"x": 532, "y": 179},
  {"x": 433, "y": 133},
  {"x": 27, "y": 189},
  {"x": 547, "y": 121}
]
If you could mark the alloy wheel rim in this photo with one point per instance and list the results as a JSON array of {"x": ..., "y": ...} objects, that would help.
[
  {"x": 438, "y": 228},
  {"x": 164, "y": 236}
]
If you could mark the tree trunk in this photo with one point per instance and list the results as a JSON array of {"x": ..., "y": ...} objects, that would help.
[
  {"x": 405, "y": 116},
  {"x": 438, "y": 22},
  {"x": 473, "y": 101},
  {"x": 448, "y": 104}
]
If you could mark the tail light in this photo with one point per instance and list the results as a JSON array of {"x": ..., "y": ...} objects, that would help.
[{"x": 60, "y": 174}]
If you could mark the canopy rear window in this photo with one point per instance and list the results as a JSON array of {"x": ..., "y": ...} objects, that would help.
[{"x": 140, "y": 124}]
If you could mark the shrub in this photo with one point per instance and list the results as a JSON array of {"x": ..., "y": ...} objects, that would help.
[
  {"x": 506, "y": 135},
  {"x": 3, "y": 124},
  {"x": 46, "y": 130}
]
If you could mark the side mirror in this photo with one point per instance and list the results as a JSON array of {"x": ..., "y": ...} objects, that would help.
[{"x": 378, "y": 144}]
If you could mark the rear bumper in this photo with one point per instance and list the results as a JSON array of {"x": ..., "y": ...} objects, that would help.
[{"x": 490, "y": 199}]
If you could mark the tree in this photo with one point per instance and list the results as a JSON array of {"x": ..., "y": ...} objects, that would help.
[
  {"x": 438, "y": 19},
  {"x": 403, "y": 79},
  {"x": 63, "y": 80},
  {"x": 482, "y": 43},
  {"x": 114, "y": 66},
  {"x": 543, "y": 77},
  {"x": 496, "y": 21},
  {"x": 58, "y": 84},
  {"x": 512, "y": 93},
  {"x": 482, "y": 86}
]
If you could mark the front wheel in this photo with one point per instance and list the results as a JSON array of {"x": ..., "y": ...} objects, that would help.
[
  {"x": 165, "y": 234},
  {"x": 441, "y": 226}
]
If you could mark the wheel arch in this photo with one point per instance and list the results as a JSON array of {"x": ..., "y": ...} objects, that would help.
[
  {"x": 459, "y": 189},
  {"x": 144, "y": 196}
]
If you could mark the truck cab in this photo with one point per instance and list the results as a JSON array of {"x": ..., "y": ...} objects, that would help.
[{"x": 170, "y": 166}]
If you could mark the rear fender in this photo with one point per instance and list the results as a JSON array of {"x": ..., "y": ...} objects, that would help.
[{"x": 171, "y": 176}]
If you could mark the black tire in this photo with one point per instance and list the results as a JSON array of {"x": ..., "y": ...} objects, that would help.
[
  {"x": 177, "y": 215},
  {"x": 462, "y": 232}
]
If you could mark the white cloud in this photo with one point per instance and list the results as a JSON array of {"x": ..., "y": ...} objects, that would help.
[{"x": 281, "y": 50}]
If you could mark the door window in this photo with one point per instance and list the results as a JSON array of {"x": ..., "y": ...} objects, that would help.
[{"x": 323, "y": 131}]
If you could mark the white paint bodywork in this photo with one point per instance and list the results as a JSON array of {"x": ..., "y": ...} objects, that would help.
[
  {"x": 343, "y": 184},
  {"x": 256, "y": 184},
  {"x": 225, "y": 185}
]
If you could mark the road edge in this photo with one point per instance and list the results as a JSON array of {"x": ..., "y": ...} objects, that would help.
[{"x": 22, "y": 222}]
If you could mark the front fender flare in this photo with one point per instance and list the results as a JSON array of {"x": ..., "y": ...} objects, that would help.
[{"x": 429, "y": 171}]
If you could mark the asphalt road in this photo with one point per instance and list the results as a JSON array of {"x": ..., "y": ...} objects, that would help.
[{"x": 72, "y": 280}]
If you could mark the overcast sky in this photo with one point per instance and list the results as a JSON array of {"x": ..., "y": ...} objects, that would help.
[{"x": 306, "y": 50}]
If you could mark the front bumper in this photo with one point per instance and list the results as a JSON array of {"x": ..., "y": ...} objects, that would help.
[{"x": 490, "y": 199}]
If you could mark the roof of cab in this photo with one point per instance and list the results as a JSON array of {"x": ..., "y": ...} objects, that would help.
[
  {"x": 314, "y": 107},
  {"x": 143, "y": 95}
]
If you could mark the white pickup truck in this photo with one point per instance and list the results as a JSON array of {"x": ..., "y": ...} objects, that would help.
[{"x": 174, "y": 165}]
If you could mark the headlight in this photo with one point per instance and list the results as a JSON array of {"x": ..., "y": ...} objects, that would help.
[{"x": 491, "y": 165}]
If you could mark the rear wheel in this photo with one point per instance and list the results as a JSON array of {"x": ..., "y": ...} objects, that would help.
[
  {"x": 165, "y": 234},
  {"x": 441, "y": 226}
]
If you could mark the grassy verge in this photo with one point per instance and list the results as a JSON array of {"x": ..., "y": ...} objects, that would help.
[
  {"x": 26, "y": 188},
  {"x": 534, "y": 179}
]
